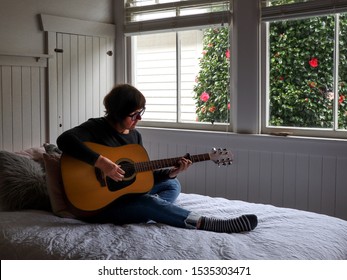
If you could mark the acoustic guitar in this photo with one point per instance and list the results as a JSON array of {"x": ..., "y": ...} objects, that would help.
[{"x": 88, "y": 189}]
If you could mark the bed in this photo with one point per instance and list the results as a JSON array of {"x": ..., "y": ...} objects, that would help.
[{"x": 282, "y": 234}]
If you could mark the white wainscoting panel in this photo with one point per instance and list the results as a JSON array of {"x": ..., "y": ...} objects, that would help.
[
  {"x": 22, "y": 102},
  {"x": 306, "y": 174}
]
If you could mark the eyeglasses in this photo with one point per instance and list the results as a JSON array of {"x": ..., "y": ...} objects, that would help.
[{"x": 137, "y": 115}]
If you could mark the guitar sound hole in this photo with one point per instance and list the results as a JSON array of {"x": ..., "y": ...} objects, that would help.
[
  {"x": 129, "y": 177},
  {"x": 128, "y": 168}
]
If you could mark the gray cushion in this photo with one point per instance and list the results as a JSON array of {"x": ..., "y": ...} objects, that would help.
[{"x": 22, "y": 183}]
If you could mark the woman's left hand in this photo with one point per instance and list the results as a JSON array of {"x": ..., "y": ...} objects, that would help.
[{"x": 183, "y": 165}]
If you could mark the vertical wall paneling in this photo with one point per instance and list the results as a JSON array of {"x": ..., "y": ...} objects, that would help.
[
  {"x": 82, "y": 92},
  {"x": 96, "y": 76},
  {"x": 231, "y": 178},
  {"x": 74, "y": 80},
  {"x": 27, "y": 107},
  {"x": 253, "y": 175},
  {"x": 289, "y": 175},
  {"x": 242, "y": 174},
  {"x": 17, "y": 108},
  {"x": 103, "y": 75},
  {"x": 306, "y": 174},
  {"x": 301, "y": 188},
  {"x": 7, "y": 119},
  {"x": 89, "y": 77},
  {"x": 23, "y": 101},
  {"x": 265, "y": 176},
  {"x": 329, "y": 173},
  {"x": 277, "y": 178},
  {"x": 315, "y": 183},
  {"x": 341, "y": 189},
  {"x": 66, "y": 81}
]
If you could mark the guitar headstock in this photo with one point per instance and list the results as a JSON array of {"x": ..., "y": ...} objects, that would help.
[{"x": 221, "y": 156}]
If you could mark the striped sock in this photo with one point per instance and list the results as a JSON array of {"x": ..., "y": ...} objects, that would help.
[{"x": 235, "y": 225}]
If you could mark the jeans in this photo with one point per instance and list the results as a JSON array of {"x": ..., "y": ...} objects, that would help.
[{"x": 157, "y": 205}]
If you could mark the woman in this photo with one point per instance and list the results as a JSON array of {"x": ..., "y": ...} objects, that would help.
[{"x": 124, "y": 106}]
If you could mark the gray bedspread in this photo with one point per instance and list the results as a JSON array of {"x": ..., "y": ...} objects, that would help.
[{"x": 281, "y": 234}]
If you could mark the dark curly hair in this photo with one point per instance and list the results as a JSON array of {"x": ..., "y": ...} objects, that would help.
[{"x": 121, "y": 101}]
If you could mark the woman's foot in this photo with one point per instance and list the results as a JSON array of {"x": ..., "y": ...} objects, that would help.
[{"x": 235, "y": 225}]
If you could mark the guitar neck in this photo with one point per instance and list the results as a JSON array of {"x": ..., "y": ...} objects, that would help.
[{"x": 169, "y": 162}]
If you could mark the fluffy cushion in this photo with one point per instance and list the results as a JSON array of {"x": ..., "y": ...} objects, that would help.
[
  {"x": 35, "y": 154},
  {"x": 22, "y": 183}
]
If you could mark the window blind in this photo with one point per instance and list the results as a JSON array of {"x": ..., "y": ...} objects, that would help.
[
  {"x": 159, "y": 15},
  {"x": 285, "y": 9}
]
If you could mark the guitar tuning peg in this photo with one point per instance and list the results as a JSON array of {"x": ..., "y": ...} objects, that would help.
[{"x": 214, "y": 150}]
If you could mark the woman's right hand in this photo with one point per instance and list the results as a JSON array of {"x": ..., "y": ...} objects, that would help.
[{"x": 109, "y": 168}]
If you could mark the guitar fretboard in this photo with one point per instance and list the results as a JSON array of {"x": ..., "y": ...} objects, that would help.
[{"x": 169, "y": 162}]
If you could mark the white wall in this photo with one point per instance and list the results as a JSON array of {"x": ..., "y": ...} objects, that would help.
[{"x": 20, "y": 27}]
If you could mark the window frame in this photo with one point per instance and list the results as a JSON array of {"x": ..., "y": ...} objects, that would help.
[
  {"x": 174, "y": 124},
  {"x": 182, "y": 23},
  {"x": 293, "y": 11}
]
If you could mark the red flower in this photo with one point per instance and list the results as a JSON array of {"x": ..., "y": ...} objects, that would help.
[
  {"x": 313, "y": 62},
  {"x": 227, "y": 54},
  {"x": 204, "y": 96},
  {"x": 341, "y": 99},
  {"x": 228, "y": 106}
]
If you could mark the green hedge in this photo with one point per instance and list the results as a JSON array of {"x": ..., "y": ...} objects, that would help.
[
  {"x": 301, "y": 74},
  {"x": 211, "y": 91}
]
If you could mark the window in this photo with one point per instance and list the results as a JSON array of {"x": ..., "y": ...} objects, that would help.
[
  {"x": 306, "y": 78},
  {"x": 184, "y": 71}
]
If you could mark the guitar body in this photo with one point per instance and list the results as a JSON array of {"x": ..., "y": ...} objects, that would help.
[{"x": 88, "y": 190}]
